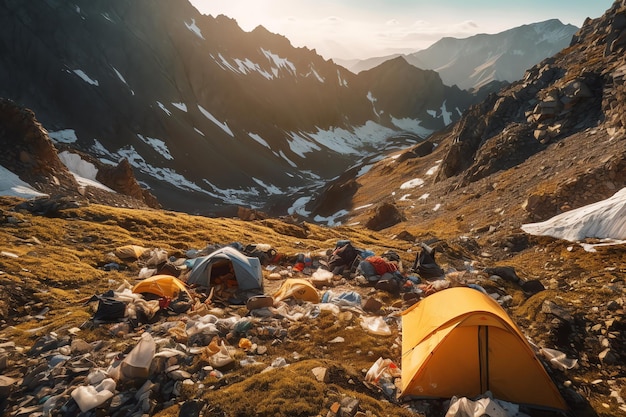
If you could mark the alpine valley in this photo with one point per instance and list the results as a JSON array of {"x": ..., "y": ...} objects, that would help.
[
  {"x": 209, "y": 118},
  {"x": 151, "y": 128}
]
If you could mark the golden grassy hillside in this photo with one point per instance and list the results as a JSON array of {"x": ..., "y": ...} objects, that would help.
[{"x": 49, "y": 266}]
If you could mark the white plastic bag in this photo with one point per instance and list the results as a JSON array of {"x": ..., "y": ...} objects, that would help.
[
  {"x": 222, "y": 358},
  {"x": 382, "y": 368},
  {"x": 558, "y": 359},
  {"x": 484, "y": 407},
  {"x": 137, "y": 362},
  {"x": 375, "y": 325},
  {"x": 89, "y": 396}
]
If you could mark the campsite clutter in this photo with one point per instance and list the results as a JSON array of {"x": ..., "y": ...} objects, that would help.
[{"x": 196, "y": 318}]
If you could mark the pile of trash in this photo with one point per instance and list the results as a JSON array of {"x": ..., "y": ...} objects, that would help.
[{"x": 164, "y": 336}]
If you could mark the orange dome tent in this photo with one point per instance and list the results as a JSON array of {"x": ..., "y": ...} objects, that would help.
[
  {"x": 460, "y": 342},
  {"x": 162, "y": 285}
]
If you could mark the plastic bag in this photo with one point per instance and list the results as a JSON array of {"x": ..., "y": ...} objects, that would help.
[
  {"x": 375, "y": 325},
  {"x": 322, "y": 275},
  {"x": 558, "y": 359},
  {"x": 89, "y": 396},
  {"x": 137, "y": 362},
  {"x": 382, "y": 369},
  {"x": 221, "y": 358},
  {"x": 467, "y": 408}
]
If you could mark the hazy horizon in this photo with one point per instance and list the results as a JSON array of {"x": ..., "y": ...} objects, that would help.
[{"x": 359, "y": 29}]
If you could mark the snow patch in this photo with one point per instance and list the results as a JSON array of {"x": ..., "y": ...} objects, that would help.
[
  {"x": 331, "y": 220},
  {"x": 433, "y": 170},
  {"x": 11, "y": 185},
  {"x": 412, "y": 125},
  {"x": 372, "y": 100},
  {"x": 342, "y": 81},
  {"x": 298, "y": 207},
  {"x": 158, "y": 145},
  {"x": 447, "y": 116},
  {"x": 282, "y": 155},
  {"x": 281, "y": 63},
  {"x": 259, "y": 139},
  {"x": 78, "y": 165},
  {"x": 416, "y": 182},
  {"x": 300, "y": 144},
  {"x": 85, "y": 77},
  {"x": 212, "y": 118},
  {"x": 180, "y": 106},
  {"x": 162, "y": 106},
  {"x": 83, "y": 171},
  {"x": 122, "y": 79},
  {"x": 194, "y": 28},
  {"x": 271, "y": 189},
  {"x": 163, "y": 174},
  {"x": 63, "y": 136},
  {"x": 315, "y": 73}
]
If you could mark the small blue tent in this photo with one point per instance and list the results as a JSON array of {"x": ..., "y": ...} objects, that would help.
[{"x": 247, "y": 270}]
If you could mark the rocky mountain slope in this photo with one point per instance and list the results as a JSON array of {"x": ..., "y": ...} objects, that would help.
[
  {"x": 33, "y": 158},
  {"x": 548, "y": 143},
  {"x": 208, "y": 116},
  {"x": 476, "y": 61}
]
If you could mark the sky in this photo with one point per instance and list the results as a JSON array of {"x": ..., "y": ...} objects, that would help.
[{"x": 359, "y": 29}]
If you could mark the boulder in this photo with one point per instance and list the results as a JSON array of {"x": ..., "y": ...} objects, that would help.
[{"x": 385, "y": 215}]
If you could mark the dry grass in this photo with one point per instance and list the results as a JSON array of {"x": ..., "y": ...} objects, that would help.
[{"x": 59, "y": 265}]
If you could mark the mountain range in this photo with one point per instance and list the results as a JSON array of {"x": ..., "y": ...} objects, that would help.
[
  {"x": 520, "y": 194},
  {"x": 473, "y": 62},
  {"x": 206, "y": 116}
]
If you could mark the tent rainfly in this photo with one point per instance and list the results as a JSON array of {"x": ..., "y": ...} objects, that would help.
[
  {"x": 460, "y": 342},
  {"x": 247, "y": 270}
]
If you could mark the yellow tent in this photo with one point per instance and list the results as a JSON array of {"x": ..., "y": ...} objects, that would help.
[
  {"x": 460, "y": 342},
  {"x": 161, "y": 285},
  {"x": 298, "y": 288}
]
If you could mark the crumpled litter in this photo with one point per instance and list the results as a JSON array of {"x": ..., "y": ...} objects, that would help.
[
  {"x": 375, "y": 325},
  {"x": 558, "y": 359},
  {"x": 483, "y": 407}
]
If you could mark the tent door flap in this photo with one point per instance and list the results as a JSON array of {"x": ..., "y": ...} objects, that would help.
[{"x": 483, "y": 357}]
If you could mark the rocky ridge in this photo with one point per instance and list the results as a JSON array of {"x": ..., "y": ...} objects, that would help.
[
  {"x": 551, "y": 142},
  {"x": 30, "y": 154}
]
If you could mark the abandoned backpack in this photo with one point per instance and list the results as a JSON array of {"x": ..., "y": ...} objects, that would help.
[{"x": 425, "y": 264}]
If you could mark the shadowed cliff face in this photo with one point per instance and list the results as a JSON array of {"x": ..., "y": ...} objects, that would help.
[
  {"x": 29, "y": 153},
  {"x": 207, "y": 115}
]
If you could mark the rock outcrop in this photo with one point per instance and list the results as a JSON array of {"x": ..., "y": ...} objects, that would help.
[
  {"x": 578, "y": 89},
  {"x": 30, "y": 154}
]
